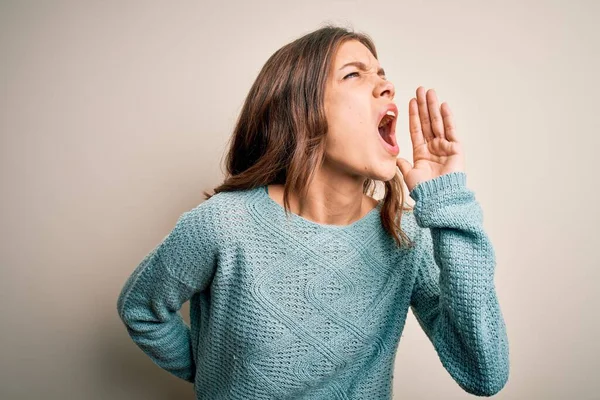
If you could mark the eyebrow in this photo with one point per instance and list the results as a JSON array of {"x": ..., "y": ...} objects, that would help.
[{"x": 361, "y": 66}]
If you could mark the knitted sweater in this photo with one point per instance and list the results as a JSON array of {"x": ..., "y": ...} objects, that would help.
[{"x": 293, "y": 309}]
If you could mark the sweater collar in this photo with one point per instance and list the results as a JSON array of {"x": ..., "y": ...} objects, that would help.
[{"x": 273, "y": 211}]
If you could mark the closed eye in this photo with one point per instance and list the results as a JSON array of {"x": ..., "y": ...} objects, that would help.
[{"x": 356, "y": 73}]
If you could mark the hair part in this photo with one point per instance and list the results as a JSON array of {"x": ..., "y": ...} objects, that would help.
[{"x": 279, "y": 136}]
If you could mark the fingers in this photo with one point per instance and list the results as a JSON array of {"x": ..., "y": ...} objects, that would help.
[
  {"x": 437, "y": 123},
  {"x": 404, "y": 166},
  {"x": 424, "y": 114},
  {"x": 436, "y": 120},
  {"x": 414, "y": 124},
  {"x": 449, "y": 127}
]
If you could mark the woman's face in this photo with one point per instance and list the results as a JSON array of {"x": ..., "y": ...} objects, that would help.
[{"x": 354, "y": 101}]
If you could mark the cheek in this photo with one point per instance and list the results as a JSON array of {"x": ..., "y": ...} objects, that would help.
[
  {"x": 350, "y": 143},
  {"x": 349, "y": 127},
  {"x": 353, "y": 123}
]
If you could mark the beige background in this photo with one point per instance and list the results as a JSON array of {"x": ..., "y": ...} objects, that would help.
[{"x": 115, "y": 115}]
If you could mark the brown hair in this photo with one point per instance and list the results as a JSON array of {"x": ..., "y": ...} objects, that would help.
[{"x": 279, "y": 136}]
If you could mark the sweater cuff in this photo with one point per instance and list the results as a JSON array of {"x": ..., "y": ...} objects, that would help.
[{"x": 454, "y": 181}]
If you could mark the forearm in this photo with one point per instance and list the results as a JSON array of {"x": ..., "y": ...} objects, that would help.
[
  {"x": 149, "y": 306},
  {"x": 455, "y": 299}
]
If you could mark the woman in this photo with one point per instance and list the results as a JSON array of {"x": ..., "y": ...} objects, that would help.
[{"x": 299, "y": 281}]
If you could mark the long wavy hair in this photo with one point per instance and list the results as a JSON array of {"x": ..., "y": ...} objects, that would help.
[{"x": 279, "y": 136}]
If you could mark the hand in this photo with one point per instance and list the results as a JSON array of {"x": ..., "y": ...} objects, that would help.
[{"x": 436, "y": 149}]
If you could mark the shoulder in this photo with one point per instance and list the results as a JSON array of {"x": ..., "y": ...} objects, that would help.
[
  {"x": 222, "y": 213},
  {"x": 224, "y": 206}
]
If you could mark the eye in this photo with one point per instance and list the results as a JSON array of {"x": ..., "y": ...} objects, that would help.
[{"x": 353, "y": 73}]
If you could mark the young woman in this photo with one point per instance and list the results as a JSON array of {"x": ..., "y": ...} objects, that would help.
[{"x": 299, "y": 281}]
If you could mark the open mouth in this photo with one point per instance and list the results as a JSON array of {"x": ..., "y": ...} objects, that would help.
[{"x": 386, "y": 130}]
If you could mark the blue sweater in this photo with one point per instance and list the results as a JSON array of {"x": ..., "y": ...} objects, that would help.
[{"x": 293, "y": 309}]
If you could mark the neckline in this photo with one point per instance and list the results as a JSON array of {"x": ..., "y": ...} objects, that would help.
[{"x": 278, "y": 209}]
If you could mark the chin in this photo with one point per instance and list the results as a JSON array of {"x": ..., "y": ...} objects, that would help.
[{"x": 385, "y": 173}]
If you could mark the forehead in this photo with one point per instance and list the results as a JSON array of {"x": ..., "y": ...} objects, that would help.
[{"x": 353, "y": 50}]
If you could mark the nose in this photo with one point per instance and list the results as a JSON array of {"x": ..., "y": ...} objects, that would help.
[{"x": 385, "y": 88}]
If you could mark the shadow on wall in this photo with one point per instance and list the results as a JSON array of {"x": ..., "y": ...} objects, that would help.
[{"x": 129, "y": 373}]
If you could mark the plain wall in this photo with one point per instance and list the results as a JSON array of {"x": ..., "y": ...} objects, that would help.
[{"x": 115, "y": 116}]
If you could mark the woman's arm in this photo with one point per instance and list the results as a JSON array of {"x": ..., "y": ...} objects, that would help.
[
  {"x": 454, "y": 298},
  {"x": 149, "y": 303}
]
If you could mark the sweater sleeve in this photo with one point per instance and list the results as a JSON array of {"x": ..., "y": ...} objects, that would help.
[
  {"x": 149, "y": 303},
  {"x": 454, "y": 299}
]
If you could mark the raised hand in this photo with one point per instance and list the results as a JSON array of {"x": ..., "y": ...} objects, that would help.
[{"x": 436, "y": 149}]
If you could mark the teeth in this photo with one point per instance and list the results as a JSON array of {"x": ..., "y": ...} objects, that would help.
[
  {"x": 388, "y": 117},
  {"x": 385, "y": 121}
]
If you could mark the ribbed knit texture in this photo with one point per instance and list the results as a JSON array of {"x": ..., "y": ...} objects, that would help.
[{"x": 293, "y": 309}]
